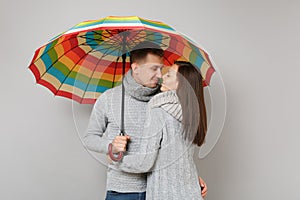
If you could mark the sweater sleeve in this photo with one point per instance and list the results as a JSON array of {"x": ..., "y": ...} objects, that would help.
[
  {"x": 94, "y": 140},
  {"x": 144, "y": 160}
]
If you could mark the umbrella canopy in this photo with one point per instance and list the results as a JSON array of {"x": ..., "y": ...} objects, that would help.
[{"x": 86, "y": 60}]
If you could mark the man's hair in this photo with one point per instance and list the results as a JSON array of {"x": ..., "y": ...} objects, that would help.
[{"x": 140, "y": 51}]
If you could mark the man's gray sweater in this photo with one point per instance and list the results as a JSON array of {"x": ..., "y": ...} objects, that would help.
[{"x": 104, "y": 126}]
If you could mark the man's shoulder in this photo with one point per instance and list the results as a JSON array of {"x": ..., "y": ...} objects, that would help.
[
  {"x": 108, "y": 94},
  {"x": 110, "y": 91},
  {"x": 117, "y": 88}
]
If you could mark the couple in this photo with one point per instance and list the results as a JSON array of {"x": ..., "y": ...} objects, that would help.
[{"x": 156, "y": 142}]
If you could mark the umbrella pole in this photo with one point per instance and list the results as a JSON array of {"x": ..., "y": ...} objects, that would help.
[
  {"x": 122, "y": 131},
  {"x": 119, "y": 156},
  {"x": 124, "y": 38}
]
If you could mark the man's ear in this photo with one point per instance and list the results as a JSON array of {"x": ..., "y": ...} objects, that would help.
[{"x": 134, "y": 67}]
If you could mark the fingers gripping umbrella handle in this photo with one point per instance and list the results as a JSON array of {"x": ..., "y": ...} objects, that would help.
[{"x": 113, "y": 156}]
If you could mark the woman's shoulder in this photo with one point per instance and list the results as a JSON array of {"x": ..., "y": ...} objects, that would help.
[
  {"x": 162, "y": 98},
  {"x": 168, "y": 103}
]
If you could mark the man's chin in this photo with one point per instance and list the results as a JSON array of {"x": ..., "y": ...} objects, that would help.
[{"x": 153, "y": 85}]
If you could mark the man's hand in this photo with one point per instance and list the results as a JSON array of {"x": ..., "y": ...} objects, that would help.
[
  {"x": 204, "y": 187},
  {"x": 119, "y": 143}
]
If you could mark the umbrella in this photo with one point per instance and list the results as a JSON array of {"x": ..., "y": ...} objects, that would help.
[{"x": 92, "y": 56}]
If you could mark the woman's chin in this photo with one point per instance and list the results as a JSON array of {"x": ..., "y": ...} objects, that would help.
[{"x": 163, "y": 89}]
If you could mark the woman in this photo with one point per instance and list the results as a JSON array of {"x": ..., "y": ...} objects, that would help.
[{"x": 176, "y": 124}]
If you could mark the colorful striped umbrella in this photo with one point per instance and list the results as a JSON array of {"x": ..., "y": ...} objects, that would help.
[{"x": 84, "y": 61}]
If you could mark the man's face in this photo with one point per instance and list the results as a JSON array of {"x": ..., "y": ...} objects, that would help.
[{"x": 148, "y": 72}]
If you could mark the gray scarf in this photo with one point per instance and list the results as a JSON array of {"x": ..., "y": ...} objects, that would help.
[
  {"x": 169, "y": 102},
  {"x": 138, "y": 91}
]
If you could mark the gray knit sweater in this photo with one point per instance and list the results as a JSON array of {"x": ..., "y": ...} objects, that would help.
[
  {"x": 104, "y": 125},
  {"x": 164, "y": 153}
]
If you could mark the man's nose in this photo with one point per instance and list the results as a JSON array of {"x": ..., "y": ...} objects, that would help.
[{"x": 158, "y": 74}]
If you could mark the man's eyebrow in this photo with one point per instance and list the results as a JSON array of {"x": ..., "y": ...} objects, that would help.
[{"x": 158, "y": 65}]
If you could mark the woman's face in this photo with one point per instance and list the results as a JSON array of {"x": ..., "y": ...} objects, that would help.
[{"x": 170, "y": 81}]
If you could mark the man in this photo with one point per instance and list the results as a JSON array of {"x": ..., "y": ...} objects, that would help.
[{"x": 141, "y": 84}]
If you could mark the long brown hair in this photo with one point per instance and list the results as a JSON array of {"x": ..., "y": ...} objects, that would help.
[{"x": 191, "y": 97}]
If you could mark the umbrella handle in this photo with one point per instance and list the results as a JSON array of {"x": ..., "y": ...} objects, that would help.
[{"x": 112, "y": 156}]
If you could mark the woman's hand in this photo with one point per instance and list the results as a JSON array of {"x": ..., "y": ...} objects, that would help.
[{"x": 203, "y": 186}]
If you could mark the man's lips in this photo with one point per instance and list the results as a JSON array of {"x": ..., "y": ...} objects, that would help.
[{"x": 158, "y": 81}]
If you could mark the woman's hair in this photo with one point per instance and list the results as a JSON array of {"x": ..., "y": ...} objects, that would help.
[{"x": 191, "y": 97}]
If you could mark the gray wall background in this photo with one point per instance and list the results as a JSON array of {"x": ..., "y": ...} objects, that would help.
[{"x": 255, "y": 44}]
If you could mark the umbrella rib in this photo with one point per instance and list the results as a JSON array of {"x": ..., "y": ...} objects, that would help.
[
  {"x": 114, "y": 37},
  {"x": 115, "y": 44},
  {"x": 174, "y": 50},
  {"x": 57, "y": 58},
  {"x": 168, "y": 60},
  {"x": 71, "y": 69},
  {"x": 69, "y": 73},
  {"x": 64, "y": 41},
  {"x": 52, "y": 64},
  {"x": 168, "y": 36},
  {"x": 100, "y": 34},
  {"x": 139, "y": 38},
  {"x": 74, "y": 66},
  {"x": 113, "y": 82},
  {"x": 188, "y": 45},
  {"x": 53, "y": 48},
  {"x": 91, "y": 45},
  {"x": 109, "y": 32},
  {"x": 94, "y": 72},
  {"x": 178, "y": 53},
  {"x": 129, "y": 47}
]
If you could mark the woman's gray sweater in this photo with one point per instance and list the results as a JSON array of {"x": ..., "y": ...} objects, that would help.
[{"x": 164, "y": 153}]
